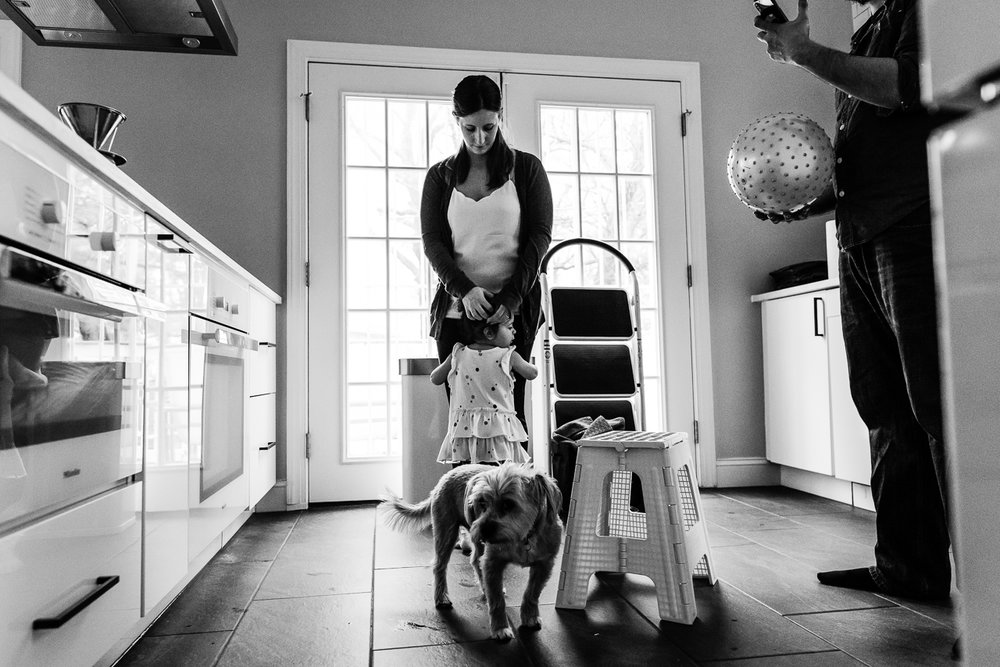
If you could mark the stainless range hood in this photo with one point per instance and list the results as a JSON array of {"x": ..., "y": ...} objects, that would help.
[{"x": 183, "y": 26}]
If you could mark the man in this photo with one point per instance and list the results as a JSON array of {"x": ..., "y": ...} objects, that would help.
[{"x": 886, "y": 285}]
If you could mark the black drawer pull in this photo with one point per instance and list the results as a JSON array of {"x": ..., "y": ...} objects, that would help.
[
  {"x": 268, "y": 446},
  {"x": 104, "y": 584}
]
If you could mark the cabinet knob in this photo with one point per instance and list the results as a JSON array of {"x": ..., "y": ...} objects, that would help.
[
  {"x": 103, "y": 241},
  {"x": 51, "y": 212}
]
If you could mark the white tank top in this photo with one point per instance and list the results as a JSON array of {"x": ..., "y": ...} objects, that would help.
[{"x": 485, "y": 234}]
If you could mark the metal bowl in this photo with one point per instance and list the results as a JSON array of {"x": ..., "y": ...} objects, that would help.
[{"x": 97, "y": 124}]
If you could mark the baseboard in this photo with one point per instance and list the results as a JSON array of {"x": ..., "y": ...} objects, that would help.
[
  {"x": 748, "y": 471},
  {"x": 275, "y": 500},
  {"x": 841, "y": 490}
]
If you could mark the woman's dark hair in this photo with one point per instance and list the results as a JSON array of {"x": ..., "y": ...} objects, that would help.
[{"x": 475, "y": 93}]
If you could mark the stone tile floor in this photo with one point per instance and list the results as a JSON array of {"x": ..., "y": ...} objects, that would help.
[{"x": 332, "y": 586}]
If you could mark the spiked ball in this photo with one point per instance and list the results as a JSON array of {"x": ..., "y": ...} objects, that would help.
[{"x": 780, "y": 163}]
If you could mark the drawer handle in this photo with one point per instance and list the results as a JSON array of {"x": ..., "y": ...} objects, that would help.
[
  {"x": 819, "y": 317},
  {"x": 268, "y": 446},
  {"x": 104, "y": 584}
]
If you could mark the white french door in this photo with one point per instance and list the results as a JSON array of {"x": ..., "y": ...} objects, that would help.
[{"x": 613, "y": 152}]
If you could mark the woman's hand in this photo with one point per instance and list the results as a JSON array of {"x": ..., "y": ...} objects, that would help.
[{"x": 476, "y": 303}]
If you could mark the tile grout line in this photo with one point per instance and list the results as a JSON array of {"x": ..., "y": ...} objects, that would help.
[{"x": 225, "y": 645}]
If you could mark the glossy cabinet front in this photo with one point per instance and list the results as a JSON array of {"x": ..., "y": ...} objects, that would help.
[
  {"x": 71, "y": 583},
  {"x": 165, "y": 556},
  {"x": 261, "y": 436}
]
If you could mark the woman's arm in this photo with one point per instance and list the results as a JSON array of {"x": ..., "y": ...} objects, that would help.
[
  {"x": 435, "y": 233},
  {"x": 440, "y": 374},
  {"x": 522, "y": 367},
  {"x": 536, "y": 217}
]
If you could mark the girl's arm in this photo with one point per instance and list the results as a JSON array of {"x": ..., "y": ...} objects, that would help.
[
  {"x": 440, "y": 374},
  {"x": 522, "y": 367}
]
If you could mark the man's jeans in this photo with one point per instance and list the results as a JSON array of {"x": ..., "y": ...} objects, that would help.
[{"x": 890, "y": 330}]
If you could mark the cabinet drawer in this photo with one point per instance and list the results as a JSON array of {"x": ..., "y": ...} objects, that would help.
[
  {"x": 263, "y": 318},
  {"x": 261, "y": 420},
  {"x": 54, "y": 566},
  {"x": 262, "y": 376},
  {"x": 219, "y": 295},
  {"x": 261, "y": 448}
]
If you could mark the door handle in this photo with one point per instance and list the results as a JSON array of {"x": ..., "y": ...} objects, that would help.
[
  {"x": 104, "y": 584},
  {"x": 819, "y": 317}
]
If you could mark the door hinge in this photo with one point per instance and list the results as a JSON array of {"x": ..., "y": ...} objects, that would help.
[
  {"x": 306, "y": 97},
  {"x": 684, "y": 122},
  {"x": 690, "y": 276},
  {"x": 308, "y": 445},
  {"x": 307, "y": 274},
  {"x": 697, "y": 436}
]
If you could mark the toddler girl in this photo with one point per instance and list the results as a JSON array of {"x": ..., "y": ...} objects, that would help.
[{"x": 482, "y": 424}]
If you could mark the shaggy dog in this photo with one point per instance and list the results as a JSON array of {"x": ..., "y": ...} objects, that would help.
[{"x": 511, "y": 512}]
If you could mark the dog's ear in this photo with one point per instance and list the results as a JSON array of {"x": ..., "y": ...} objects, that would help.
[
  {"x": 548, "y": 492},
  {"x": 470, "y": 503}
]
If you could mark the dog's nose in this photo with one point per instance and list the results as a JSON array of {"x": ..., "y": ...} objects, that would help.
[{"x": 487, "y": 531}]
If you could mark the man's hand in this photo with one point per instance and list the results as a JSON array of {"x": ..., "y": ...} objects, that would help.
[
  {"x": 476, "y": 303},
  {"x": 825, "y": 203},
  {"x": 786, "y": 41}
]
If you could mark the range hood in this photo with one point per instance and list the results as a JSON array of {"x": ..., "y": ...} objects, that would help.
[{"x": 183, "y": 26}]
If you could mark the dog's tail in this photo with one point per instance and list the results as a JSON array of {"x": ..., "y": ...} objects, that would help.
[{"x": 401, "y": 515}]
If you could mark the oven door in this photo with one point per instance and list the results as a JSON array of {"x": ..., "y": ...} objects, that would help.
[
  {"x": 218, "y": 375},
  {"x": 71, "y": 352}
]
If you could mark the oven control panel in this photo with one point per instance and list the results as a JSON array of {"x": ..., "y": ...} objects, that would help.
[{"x": 49, "y": 203}]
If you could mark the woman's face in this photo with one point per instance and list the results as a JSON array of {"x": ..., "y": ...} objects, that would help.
[{"x": 479, "y": 130}]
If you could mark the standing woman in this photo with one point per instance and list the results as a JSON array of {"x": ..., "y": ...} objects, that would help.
[{"x": 486, "y": 223}]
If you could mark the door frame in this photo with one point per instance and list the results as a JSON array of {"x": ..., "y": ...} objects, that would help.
[{"x": 302, "y": 52}]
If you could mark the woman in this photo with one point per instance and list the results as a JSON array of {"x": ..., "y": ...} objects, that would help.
[{"x": 486, "y": 223}]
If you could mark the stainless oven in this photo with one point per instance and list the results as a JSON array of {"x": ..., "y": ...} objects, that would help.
[
  {"x": 71, "y": 383},
  {"x": 218, "y": 376}
]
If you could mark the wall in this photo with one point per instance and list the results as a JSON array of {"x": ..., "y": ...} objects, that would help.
[{"x": 206, "y": 134}]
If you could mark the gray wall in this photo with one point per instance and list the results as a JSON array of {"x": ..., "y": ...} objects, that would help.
[{"x": 206, "y": 134}]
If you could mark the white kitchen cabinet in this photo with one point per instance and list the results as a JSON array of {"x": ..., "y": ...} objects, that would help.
[
  {"x": 851, "y": 453},
  {"x": 797, "y": 383},
  {"x": 165, "y": 528},
  {"x": 810, "y": 419},
  {"x": 261, "y": 432},
  {"x": 91, "y": 552}
]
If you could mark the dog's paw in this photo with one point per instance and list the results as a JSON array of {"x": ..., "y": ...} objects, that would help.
[
  {"x": 530, "y": 622},
  {"x": 443, "y": 603},
  {"x": 504, "y": 634}
]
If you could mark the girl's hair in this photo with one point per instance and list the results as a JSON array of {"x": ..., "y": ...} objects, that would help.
[
  {"x": 475, "y": 93},
  {"x": 475, "y": 331}
]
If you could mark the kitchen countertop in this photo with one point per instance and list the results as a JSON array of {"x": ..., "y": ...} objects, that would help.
[
  {"x": 26, "y": 110},
  {"x": 805, "y": 288}
]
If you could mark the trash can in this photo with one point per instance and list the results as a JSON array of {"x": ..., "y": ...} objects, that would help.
[{"x": 425, "y": 423}]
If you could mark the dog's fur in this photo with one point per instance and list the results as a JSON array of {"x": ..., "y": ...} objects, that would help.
[{"x": 512, "y": 513}]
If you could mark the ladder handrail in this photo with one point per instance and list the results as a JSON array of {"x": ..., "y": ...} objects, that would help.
[{"x": 585, "y": 241}]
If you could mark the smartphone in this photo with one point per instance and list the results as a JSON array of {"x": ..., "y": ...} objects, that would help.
[{"x": 770, "y": 10}]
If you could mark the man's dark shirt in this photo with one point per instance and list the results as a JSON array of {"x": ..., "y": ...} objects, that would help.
[{"x": 881, "y": 169}]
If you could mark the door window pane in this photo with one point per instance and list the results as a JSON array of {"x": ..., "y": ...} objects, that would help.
[
  {"x": 366, "y": 203},
  {"x": 364, "y": 134},
  {"x": 407, "y": 133}
]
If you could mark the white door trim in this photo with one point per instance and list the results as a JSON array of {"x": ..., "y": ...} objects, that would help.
[{"x": 300, "y": 53}]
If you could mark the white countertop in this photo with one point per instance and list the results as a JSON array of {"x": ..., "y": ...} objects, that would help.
[
  {"x": 796, "y": 289},
  {"x": 29, "y": 112}
]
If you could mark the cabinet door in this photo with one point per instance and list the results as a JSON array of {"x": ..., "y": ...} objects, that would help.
[
  {"x": 851, "y": 454},
  {"x": 796, "y": 382}
]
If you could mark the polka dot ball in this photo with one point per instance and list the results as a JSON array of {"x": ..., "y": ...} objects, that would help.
[{"x": 780, "y": 162}]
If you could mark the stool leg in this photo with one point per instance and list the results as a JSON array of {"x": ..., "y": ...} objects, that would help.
[{"x": 577, "y": 565}]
